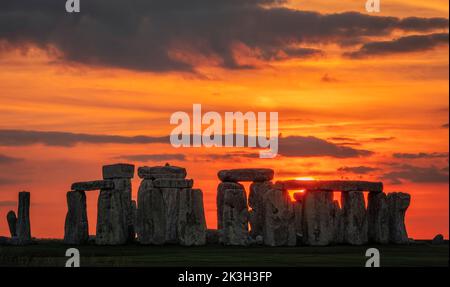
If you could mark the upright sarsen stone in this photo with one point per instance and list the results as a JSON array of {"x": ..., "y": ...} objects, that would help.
[
  {"x": 191, "y": 225},
  {"x": 170, "y": 206},
  {"x": 12, "y": 222},
  {"x": 112, "y": 224},
  {"x": 220, "y": 198},
  {"x": 234, "y": 226},
  {"x": 23, "y": 228},
  {"x": 378, "y": 218},
  {"x": 354, "y": 218},
  {"x": 318, "y": 223},
  {"x": 256, "y": 205},
  {"x": 398, "y": 203},
  {"x": 76, "y": 229}
]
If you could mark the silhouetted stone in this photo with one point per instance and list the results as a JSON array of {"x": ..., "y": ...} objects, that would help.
[
  {"x": 212, "y": 236},
  {"x": 120, "y": 170},
  {"x": 170, "y": 206},
  {"x": 220, "y": 197},
  {"x": 279, "y": 219},
  {"x": 151, "y": 215},
  {"x": 331, "y": 185},
  {"x": 173, "y": 183},
  {"x": 398, "y": 203},
  {"x": 93, "y": 185},
  {"x": 378, "y": 218},
  {"x": 12, "y": 222},
  {"x": 256, "y": 205},
  {"x": 23, "y": 228},
  {"x": 438, "y": 240},
  {"x": 318, "y": 223},
  {"x": 76, "y": 229},
  {"x": 133, "y": 220},
  {"x": 354, "y": 218},
  {"x": 234, "y": 225},
  {"x": 157, "y": 172},
  {"x": 249, "y": 174},
  {"x": 338, "y": 223},
  {"x": 191, "y": 218}
]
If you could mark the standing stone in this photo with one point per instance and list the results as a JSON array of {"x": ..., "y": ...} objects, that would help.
[
  {"x": 256, "y": 205},
  {"x": 378, "y": 218},
  {"x": 76, "y": 229},
  {"x": 212, "y": 236},
  {"x": 151, "y": 216},
  {"x": 298, "y": 218},
  {"x": 23, "y": 228},
  {"x": 220, "y": 198},
  {"x": 191, "y": 225},
  {"x": 112, "y": 224},
  {"x": 12, "y": 222},
  {"x": 134, "y": 219},
  {"x": 279, "y": 219},
  {"x": 338, "y": 223},
  {"x": 170, "y": 206},
  {"x": 398, "y": 203},
  {"x": 317, "y": 218},
  {"x": 354, "y": 218},
  {"x": 234, "y": 226}
]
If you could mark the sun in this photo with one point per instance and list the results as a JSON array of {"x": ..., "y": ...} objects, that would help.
[{"x": 305, "y": 178}]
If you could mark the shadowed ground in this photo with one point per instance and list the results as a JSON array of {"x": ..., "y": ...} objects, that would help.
[{"x": 52, "y": 253}]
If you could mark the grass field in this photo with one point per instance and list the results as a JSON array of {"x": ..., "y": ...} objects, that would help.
[{"x": 52, "y": 253}]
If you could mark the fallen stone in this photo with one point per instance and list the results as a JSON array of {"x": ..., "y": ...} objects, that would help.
[
  {"x": 256, "y": 205},
  {"x": 331, "y": 185},
  {"x": 23, "y": 228},
  {"x": 250, "y": 174},
  {"x": 76, "y": 229},
  {"x": 438, "y": 240},
  {"x": 220, "y": 197},
  {"x": 120, "y": 170},
  {"x": 92, "y": 185},
  {"x": 171, "y": 203},
  {"x": 378, "y": 218},
  {"x": 173, "y": 183},
  {"x": 354, "y": 218},
  {"x": 12, "y": 222},
  {"x": 318, "y": 223},
  {"x": 279, "y": 219},
  {"x": 157, "y": 172},
  {"x": 398, "y": 203},
  {"x": 191, "y": 218},
  {"x": 234, "y": 227},
  {"x": 212, "y": 236}
]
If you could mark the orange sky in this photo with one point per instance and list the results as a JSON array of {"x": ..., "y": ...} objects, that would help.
[{"x": 388, "y": 104}]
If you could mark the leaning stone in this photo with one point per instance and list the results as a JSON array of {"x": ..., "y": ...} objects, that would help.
[
  {"x": 332, "y": 185},
  {"x": 173, "y": 183},
  {"x": 191, "y": 218},
  {"x": 157, "y": 172},
  {"x": 23, "y": 228},
  {"x": 438, "y": 240},
  {"x": 171, "y": 203},
  {"x": 378, "y": 218},
  {"x": 212, "y": 236},
  {"x": 12, "y": 222},
  {"x": 151, "y": 215},
  {"x": 120, "y": 170},
  {"x": 76, "y": 229},
  {"x": 317, "y": 220},
  {"x": 93, "y": 185},
  {"x": 234, "y": 225},
  {"x": 220, "y": 197},
  {"x": 279, "y": 219},
  {"x": 249, "y": 174},
  {"x": 398, "y": 203},
  {"x": 256, "y": 205},
  {"x": 354, "y": 218}
]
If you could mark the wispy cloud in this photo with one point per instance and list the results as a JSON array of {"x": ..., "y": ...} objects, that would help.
[
  {"x": 421, "y": 155},
  {"x": 417, "y": 174}
]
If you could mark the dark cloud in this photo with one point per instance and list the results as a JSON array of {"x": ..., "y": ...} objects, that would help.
[
  {"x": 417, "y": 174},
  {"x": 358, "y": 169},
  {"x": 146, "y": 34},
  {"x": 328, "y": 79},
  {"x": 153, "y": 157},
  {"x": 445, "y": 126},
  {"x": 8, "y": 204},
  {"x": 230, "y": 156},
  {"x": 421, "y": 155},
  {"x": 413, "y": 43},
  {"x": 4, "y": 159},
  {"x": 297, "y": 146}
]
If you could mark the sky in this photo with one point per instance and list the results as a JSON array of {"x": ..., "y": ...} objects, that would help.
[{"x": 360, "y": 96}]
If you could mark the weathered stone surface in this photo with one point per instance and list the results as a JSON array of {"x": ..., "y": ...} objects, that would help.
[
  {"x": 157, "y": 172},
  {"x": 93, "y": 185},
  {"x": 12, "y": 222},
  {"x": 438, "y": 240},
  {"x": 256, "y": 205},
  {"x": 220, "y": 197},
  {"x": 398, "y": 203},
  {"x": 234, "y": 227},
  {"x": 249, "y": 174},
  {"x": 298, "y": 220},
  {"x": 151, "y": 215},
  {"x": 279, "y": 219},
  {"x": 378, "y": 218},
  {"x": 171, "y": 202},
  {"x": 23, "y": 228},
  {"x": 331, "y": 185},
  {"x": 120, "y": 170},
  {"x": 133, "y": 220},
  {"x": 173, "y": 183},
  {"x": 318, "y": 223},
  {"x": 191, "y": 218},
  {"x": 76, "y": 229},
  {"x": 212, "y": 236},
  {"x": 338, "y": 223},
  {"x": 354, "y": 218}
]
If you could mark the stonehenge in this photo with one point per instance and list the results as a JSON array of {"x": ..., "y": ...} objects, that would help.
[
  {"x": 76, "y": 229},
  {"x": 23, "y": 228}
]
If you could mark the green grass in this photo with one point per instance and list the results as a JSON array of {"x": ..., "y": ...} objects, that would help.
[{"x": 52, "y": 253}]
